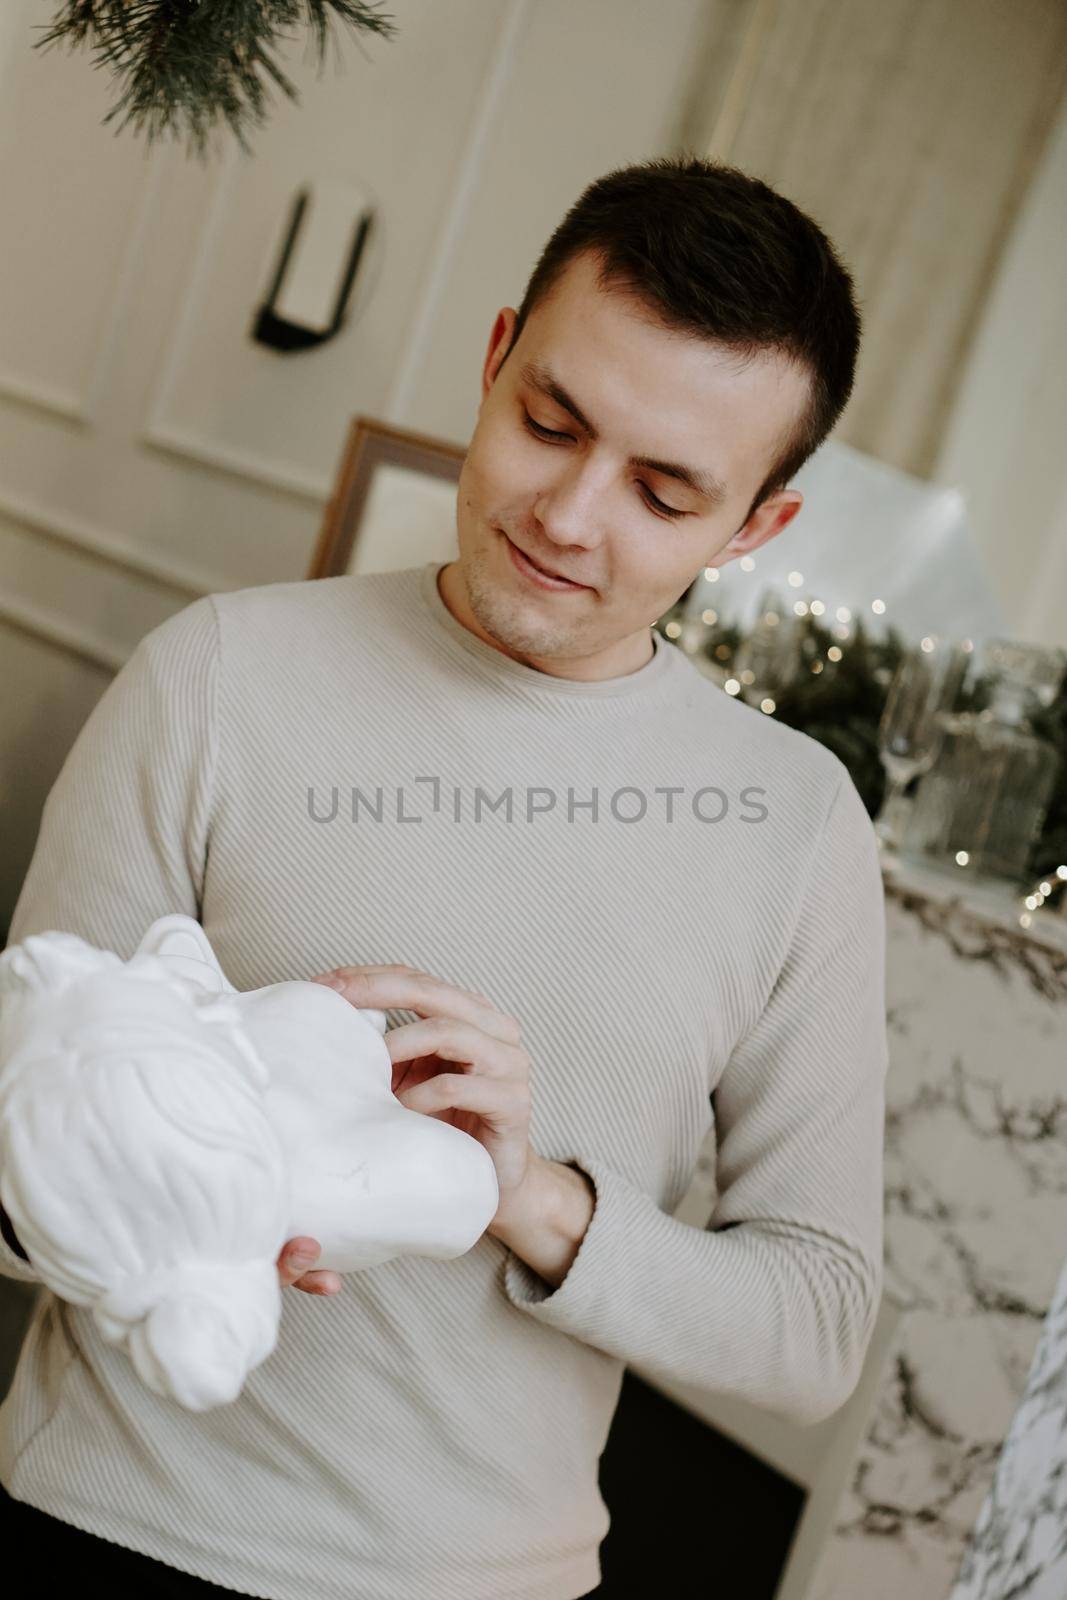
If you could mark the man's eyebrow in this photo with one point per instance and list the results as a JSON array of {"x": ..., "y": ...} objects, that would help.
[{"x": 706, "y": 484}]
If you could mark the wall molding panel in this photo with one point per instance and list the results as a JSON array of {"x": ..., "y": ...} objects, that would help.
[
  {"x": 247, "y": 466},
  {"x": 454, "y": 218},
  {"x": 62, "y": 403},
  {"x": 83, "y": 406},
  {"x": 111, "y": 549},
  {"x": 57, "y": 632}
]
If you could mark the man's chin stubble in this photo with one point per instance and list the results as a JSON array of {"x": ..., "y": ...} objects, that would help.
[{"x": 497, "y": 615}]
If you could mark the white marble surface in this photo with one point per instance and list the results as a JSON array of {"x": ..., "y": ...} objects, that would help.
[
  {"x": 976, "y": 1230},
  {"x": 976, "y": 1220},
  {"x": 1019, "y": 1544}
]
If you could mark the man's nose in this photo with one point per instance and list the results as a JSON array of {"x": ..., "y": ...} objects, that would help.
[{"x": 571, "y": 509}]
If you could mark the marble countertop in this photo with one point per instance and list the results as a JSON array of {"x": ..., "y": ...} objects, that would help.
[
  {"x": 976, "y": 1219},
  {"x": 996, "y": 904},
  {"x": 975, "y": 1230}
]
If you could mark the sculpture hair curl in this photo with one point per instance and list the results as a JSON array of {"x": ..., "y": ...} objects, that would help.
[{"x": 156, "y": 1097}]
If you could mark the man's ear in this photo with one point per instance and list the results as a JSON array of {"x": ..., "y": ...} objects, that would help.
[
  {"x": 768, "y": 520},
  {"x": 500, "y": 342},
  {"x": 186, "y": 949}
]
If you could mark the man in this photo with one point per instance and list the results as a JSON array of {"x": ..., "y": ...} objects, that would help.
[{"x": 615, "y": 906}]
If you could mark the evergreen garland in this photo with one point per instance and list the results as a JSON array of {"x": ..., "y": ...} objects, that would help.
[
  {"x": 841, "y": 703},
  {"x": 185, "y": 64}
]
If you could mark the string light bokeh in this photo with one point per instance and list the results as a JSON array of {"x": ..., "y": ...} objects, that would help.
[{"x": 692, "y": 634}]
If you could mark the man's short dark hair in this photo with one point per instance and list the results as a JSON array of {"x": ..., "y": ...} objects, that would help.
[{"x": 714, "y": 252}]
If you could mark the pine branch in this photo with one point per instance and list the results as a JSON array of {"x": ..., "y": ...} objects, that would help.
[{"x": 186, "y": 65}]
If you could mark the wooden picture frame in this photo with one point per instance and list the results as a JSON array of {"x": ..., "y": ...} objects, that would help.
[{"x": 394, "y": 502}]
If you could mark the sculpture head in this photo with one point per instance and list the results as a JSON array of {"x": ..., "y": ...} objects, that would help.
[
  {"x": 137, "y": 1162},
  {"x": 162, "y": 1136}
]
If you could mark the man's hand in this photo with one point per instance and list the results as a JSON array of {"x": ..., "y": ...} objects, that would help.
[
  {"x": 296, "y": 1257},
  {"x": 463, "y": 1063}
]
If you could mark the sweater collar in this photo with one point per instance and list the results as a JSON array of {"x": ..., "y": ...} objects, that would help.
[{"x": 506, "y": 669}]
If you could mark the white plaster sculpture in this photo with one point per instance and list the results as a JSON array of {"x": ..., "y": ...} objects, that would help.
[{"x": 162, "y": 1136}]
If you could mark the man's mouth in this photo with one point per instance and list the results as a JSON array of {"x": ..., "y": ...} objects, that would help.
[{"x": 542, "y": 576}]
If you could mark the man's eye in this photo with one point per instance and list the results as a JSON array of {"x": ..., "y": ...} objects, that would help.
[
  {"x": 657, "y": 505},
  {"x": 652, "y": 501},
  {"x": 542, "y": 433}
]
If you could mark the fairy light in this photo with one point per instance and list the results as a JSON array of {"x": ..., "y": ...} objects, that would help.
[
  {"x": 814, "y": 608},
  {"x": 840, "y": 632},
  {"x": 748, "y": 676},
  {"x": 673, "y": 629},
  {"x": 962, "y": 858},
  {"x": 1035, "y": 900}
]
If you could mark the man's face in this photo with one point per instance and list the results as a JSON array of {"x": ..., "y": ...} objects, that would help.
[{"x": 567, "y": 494}]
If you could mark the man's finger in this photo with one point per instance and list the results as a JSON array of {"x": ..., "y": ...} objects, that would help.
[
  {"x": 412, "y": 972},
  {"x": 457, "y": 1091},
  {"x": 456, "y": 1041},
  {"x": 389, "y": 990},
  {"x": 296, "y": 1257},
  {"x": 347, "y": 976},
  {"x": 318, "y": 1283}
]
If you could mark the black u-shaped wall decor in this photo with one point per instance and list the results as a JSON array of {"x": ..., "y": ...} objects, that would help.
[{"x": 278, "y": 332}]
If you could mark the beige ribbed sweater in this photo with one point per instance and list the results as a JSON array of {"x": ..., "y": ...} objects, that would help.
[{"x": 683, "y": 907}]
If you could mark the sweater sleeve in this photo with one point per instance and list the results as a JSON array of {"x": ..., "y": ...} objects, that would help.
[
  {"x": 775, "y": 1300},
  {"x": 124, "y": 831}
]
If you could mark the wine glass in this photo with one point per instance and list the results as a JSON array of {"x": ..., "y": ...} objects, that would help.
[
  {"x": 912, "y": 727},
  {"x": 770, "y": 650}
]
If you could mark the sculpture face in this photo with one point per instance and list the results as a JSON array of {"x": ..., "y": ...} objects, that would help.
[{"x": 162, "y": 1136}]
